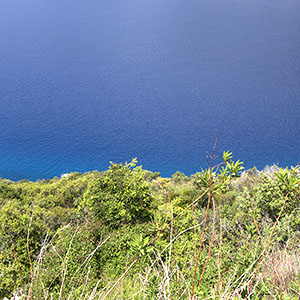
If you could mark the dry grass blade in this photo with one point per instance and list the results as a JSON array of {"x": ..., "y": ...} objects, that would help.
[{"x": 267, "y": 245}]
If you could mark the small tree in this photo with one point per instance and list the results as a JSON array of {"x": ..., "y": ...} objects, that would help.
[{"x": 121, "y": 196}]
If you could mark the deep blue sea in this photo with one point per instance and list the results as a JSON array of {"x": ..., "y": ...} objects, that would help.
[{"x": 85, "y": 82}]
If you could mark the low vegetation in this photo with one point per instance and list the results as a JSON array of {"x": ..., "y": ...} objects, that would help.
[{"x": 127, "y": 233}]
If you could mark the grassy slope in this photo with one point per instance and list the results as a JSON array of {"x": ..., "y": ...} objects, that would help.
[{"x": 130, "y": 233}]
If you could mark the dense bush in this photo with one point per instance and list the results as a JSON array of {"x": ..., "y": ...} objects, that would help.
[{"x": 121, "y": 196}]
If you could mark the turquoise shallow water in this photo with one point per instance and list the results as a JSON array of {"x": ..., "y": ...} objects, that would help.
[{"x": 83, "y": 83}]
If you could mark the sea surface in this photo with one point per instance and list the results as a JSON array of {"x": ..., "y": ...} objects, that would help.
[{"x": 85, "y": 82}]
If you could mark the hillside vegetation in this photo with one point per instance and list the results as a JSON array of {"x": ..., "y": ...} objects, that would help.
[{"x": 127, "y": 233}]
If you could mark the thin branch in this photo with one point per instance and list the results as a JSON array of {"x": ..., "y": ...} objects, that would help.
[
  {"x": 211, "y": 242},
  {"x": 205, "y": 218}
]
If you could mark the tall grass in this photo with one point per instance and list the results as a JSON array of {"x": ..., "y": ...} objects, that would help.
[{"x": 274, "y": 268}]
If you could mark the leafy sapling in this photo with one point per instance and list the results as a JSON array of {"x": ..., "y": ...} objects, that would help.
[{"x": 141, "y": 246}]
